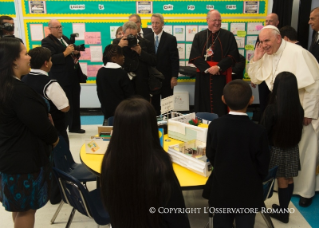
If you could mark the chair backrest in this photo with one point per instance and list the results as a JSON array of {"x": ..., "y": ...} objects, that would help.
[
  {"x": 206, "y": 116},
  {"x": 77, "y": 196},
  {"x": 110, "y": 121},
  {"x": 62, "y": 156},
  {"x": 268, "y": 183}
]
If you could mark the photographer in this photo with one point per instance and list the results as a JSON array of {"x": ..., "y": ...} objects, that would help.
[
  {"x": 139, "y": 54},
  {"x": 7, "y": 27},
  {"x": 66, "y": 71}
]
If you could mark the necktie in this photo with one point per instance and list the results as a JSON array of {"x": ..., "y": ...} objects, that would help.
[
  {"x": 62, "y": 43},
  {"x": 156, "y": 44}
]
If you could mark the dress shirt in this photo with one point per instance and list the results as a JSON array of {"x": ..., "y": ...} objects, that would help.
[{"x": 237, "y": 113}]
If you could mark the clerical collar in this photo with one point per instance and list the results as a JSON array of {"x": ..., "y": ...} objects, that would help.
[
  {"x": 237, "y": 113},
  {"x": 159, "y": 35},
  {"x": 38, "y": 71},
  {"x": 215, "y": 32},
  {"x": 281, "y": 48},
  {"x": 111, "y": 65}
]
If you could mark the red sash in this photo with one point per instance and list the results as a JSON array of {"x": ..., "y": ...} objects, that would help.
[{"x": 227, "y": 73}]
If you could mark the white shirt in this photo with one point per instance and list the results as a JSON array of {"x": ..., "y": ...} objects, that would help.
[
  {"x": 54, "y": 91},
  {"x": 112, "y": 65},
  {"x": 237, "y": 113},
  {"x": 159, "y": 36}
]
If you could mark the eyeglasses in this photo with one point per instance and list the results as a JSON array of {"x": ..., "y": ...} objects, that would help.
[
  {"x": 58, "y": 27},
  {"x": 216, "y": 20}
]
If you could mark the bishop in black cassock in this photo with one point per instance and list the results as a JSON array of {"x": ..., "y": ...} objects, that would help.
[{"x": 218, "y": 46}]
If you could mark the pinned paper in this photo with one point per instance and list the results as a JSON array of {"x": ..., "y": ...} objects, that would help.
[
  {"x": 181, "y": 50},
  {"x": 168, "y": 29},
  {"x": 179, "y": 33},
  {"x": 191, "y": 30},
  {"x": 84, "y": 68},
  {"x": 203, "y": 27},
  {"x": 240, "y": 41},
  {"x": 251, "y": 40},
  {"x": 234, "y": 27},
  {"x": 188, "y": 50},
  {"x": 36, "y": 32},
  {"x": 259, "y": 27},
  {"x": 96, "y": 54},
  {"x": 46, "y": 31},
  {"x": 92, "y": 37},
  {"x": 167, "y": 104},
  {"x": 92, "y": 70},
  {"x": 249, "y": 47},
  {"x": 241, "y": 33},
  {"x": 86, "y": 55},
  {"x": 80, "y": 29}
]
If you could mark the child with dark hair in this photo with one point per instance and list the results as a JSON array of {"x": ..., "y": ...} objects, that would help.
[
  {"x": 283, "y": 119},
  {"x": 238, "y": 151},
  {"x": 38, "y": 79},
  {"x": 113, "y": 83}
]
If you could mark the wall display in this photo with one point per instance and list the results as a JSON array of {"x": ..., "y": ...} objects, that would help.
[
  {"x": 120, "y": 8},
  {"x": 7, "y": 8}
]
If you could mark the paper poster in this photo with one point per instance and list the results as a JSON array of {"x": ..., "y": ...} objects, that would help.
[
  {"x": 86, "y": 55},
  {"x": 249, "y": 55},
  {"x": 254, "y": 28},
  {"x": 251, "y": 7},
  {"x": 251, "y": 40},
  {"x": 181, "y": 101},
  {"x": 234, "y": 27},
  {"x": 92, "y": 70},
  {"x": 191, "y": 30},
  {"x": 188, "y": 50},
  {"x": 84, "y": 67},
  {"x": 96, "y": 54},
  {"x": 167, "y": 104},
  {"x": 144, "y": 7},
  {"x": 242, "y": 52},
  {"x": 46, "y": 31},
  {"x": 36, "y": 31},
  {"x": 182, "y": 63},
  {"x": 181, "y": 51},
  {"x": 240, "y": 41},
  {"x": 113, "y": 31},
  {"x": 241, "y": 33},
  {"x": 179, "y": 32},
  {"x": 168, "y": 29},
  {"x": 80, "y": 29},
  {"x": 224, "y": 26},
  {"x": 37, "y": 7},
  {"x": 202, "y": 28},
  {"x": 92, "y": 37}
]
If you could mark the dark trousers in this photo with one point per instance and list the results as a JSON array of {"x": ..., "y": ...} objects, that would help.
[
  {"x": 73, "y": 115},
  {"x": 241, "y": 220},
  {"x": 156, "y": 99},
  {"x": 263, "y": 97}
]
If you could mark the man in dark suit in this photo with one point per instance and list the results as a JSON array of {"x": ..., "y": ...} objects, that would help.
[
  {"x": 165, "y": 46},
  {"x": 138, "y": 58},
  {"x": 142, "y": 32},
  {"x": 314, "y": 22},
  {"x": 66, "y": 71}
]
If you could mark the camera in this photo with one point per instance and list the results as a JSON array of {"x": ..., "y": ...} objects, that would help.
[
  {"x": 80, "y": 47},
  {"x": 132, "y": 40}
]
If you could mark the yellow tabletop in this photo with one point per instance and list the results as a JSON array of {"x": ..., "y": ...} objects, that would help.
[{"x": 187, "y": 178}]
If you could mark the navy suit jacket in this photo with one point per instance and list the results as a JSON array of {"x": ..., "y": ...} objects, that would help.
[{"x": 167, "y": 56}]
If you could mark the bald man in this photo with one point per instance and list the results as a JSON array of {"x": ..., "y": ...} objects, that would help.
[
  {"x": 66, "y": 71},
  {"x": 274, "y": 55}
]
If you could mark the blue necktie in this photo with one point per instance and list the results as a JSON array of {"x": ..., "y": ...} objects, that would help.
[{"x": 156, "y": 44}]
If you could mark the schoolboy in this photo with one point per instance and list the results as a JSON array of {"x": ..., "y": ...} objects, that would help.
[
  {"x": 50, "y": 89},
  {"x": 238, "y": 151}
]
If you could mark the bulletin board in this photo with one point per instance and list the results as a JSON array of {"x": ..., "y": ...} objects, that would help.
[
  {"x": 7, "y": 8},
  {"x": 244, "y": 18},
  {"x": 120, "y": 8}
]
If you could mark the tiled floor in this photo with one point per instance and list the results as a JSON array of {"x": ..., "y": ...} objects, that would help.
[{"x": 192, "y": 198}]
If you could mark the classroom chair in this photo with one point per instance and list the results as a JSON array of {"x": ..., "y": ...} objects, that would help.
[
  {"x": 77, "y": 195},
  {"x": 63, "y": 160}
]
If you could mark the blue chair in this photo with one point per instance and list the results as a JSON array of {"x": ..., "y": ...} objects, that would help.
[
  {"x": 77, "y": 195},
  {"x": 109, "y": 121},
  {"x": 63, "y": 160},
  {"x": 206, "y": 116},
  {"x": 268, "y": 187}
]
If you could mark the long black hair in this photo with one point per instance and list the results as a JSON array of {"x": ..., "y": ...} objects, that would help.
[
  {"x": 110, "y": 51},
  {"x": 10, "y": 49},
  {"x": 287, "y": 130},
  {"x": 136, "y": 171}
]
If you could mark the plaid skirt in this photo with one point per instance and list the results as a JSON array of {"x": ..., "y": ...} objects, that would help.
[
  {"x": 287, "y": 160},
  {"x": 22, "y": 192}
]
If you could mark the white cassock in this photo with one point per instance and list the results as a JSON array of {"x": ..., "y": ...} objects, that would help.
[{"x": 297, "y": 60}]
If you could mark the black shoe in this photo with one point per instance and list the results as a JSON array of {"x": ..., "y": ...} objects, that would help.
[
  {"x": 305, "y": 202},
  {"x": 282, "y": 217},
  {"x": 80, "y": 131}
]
